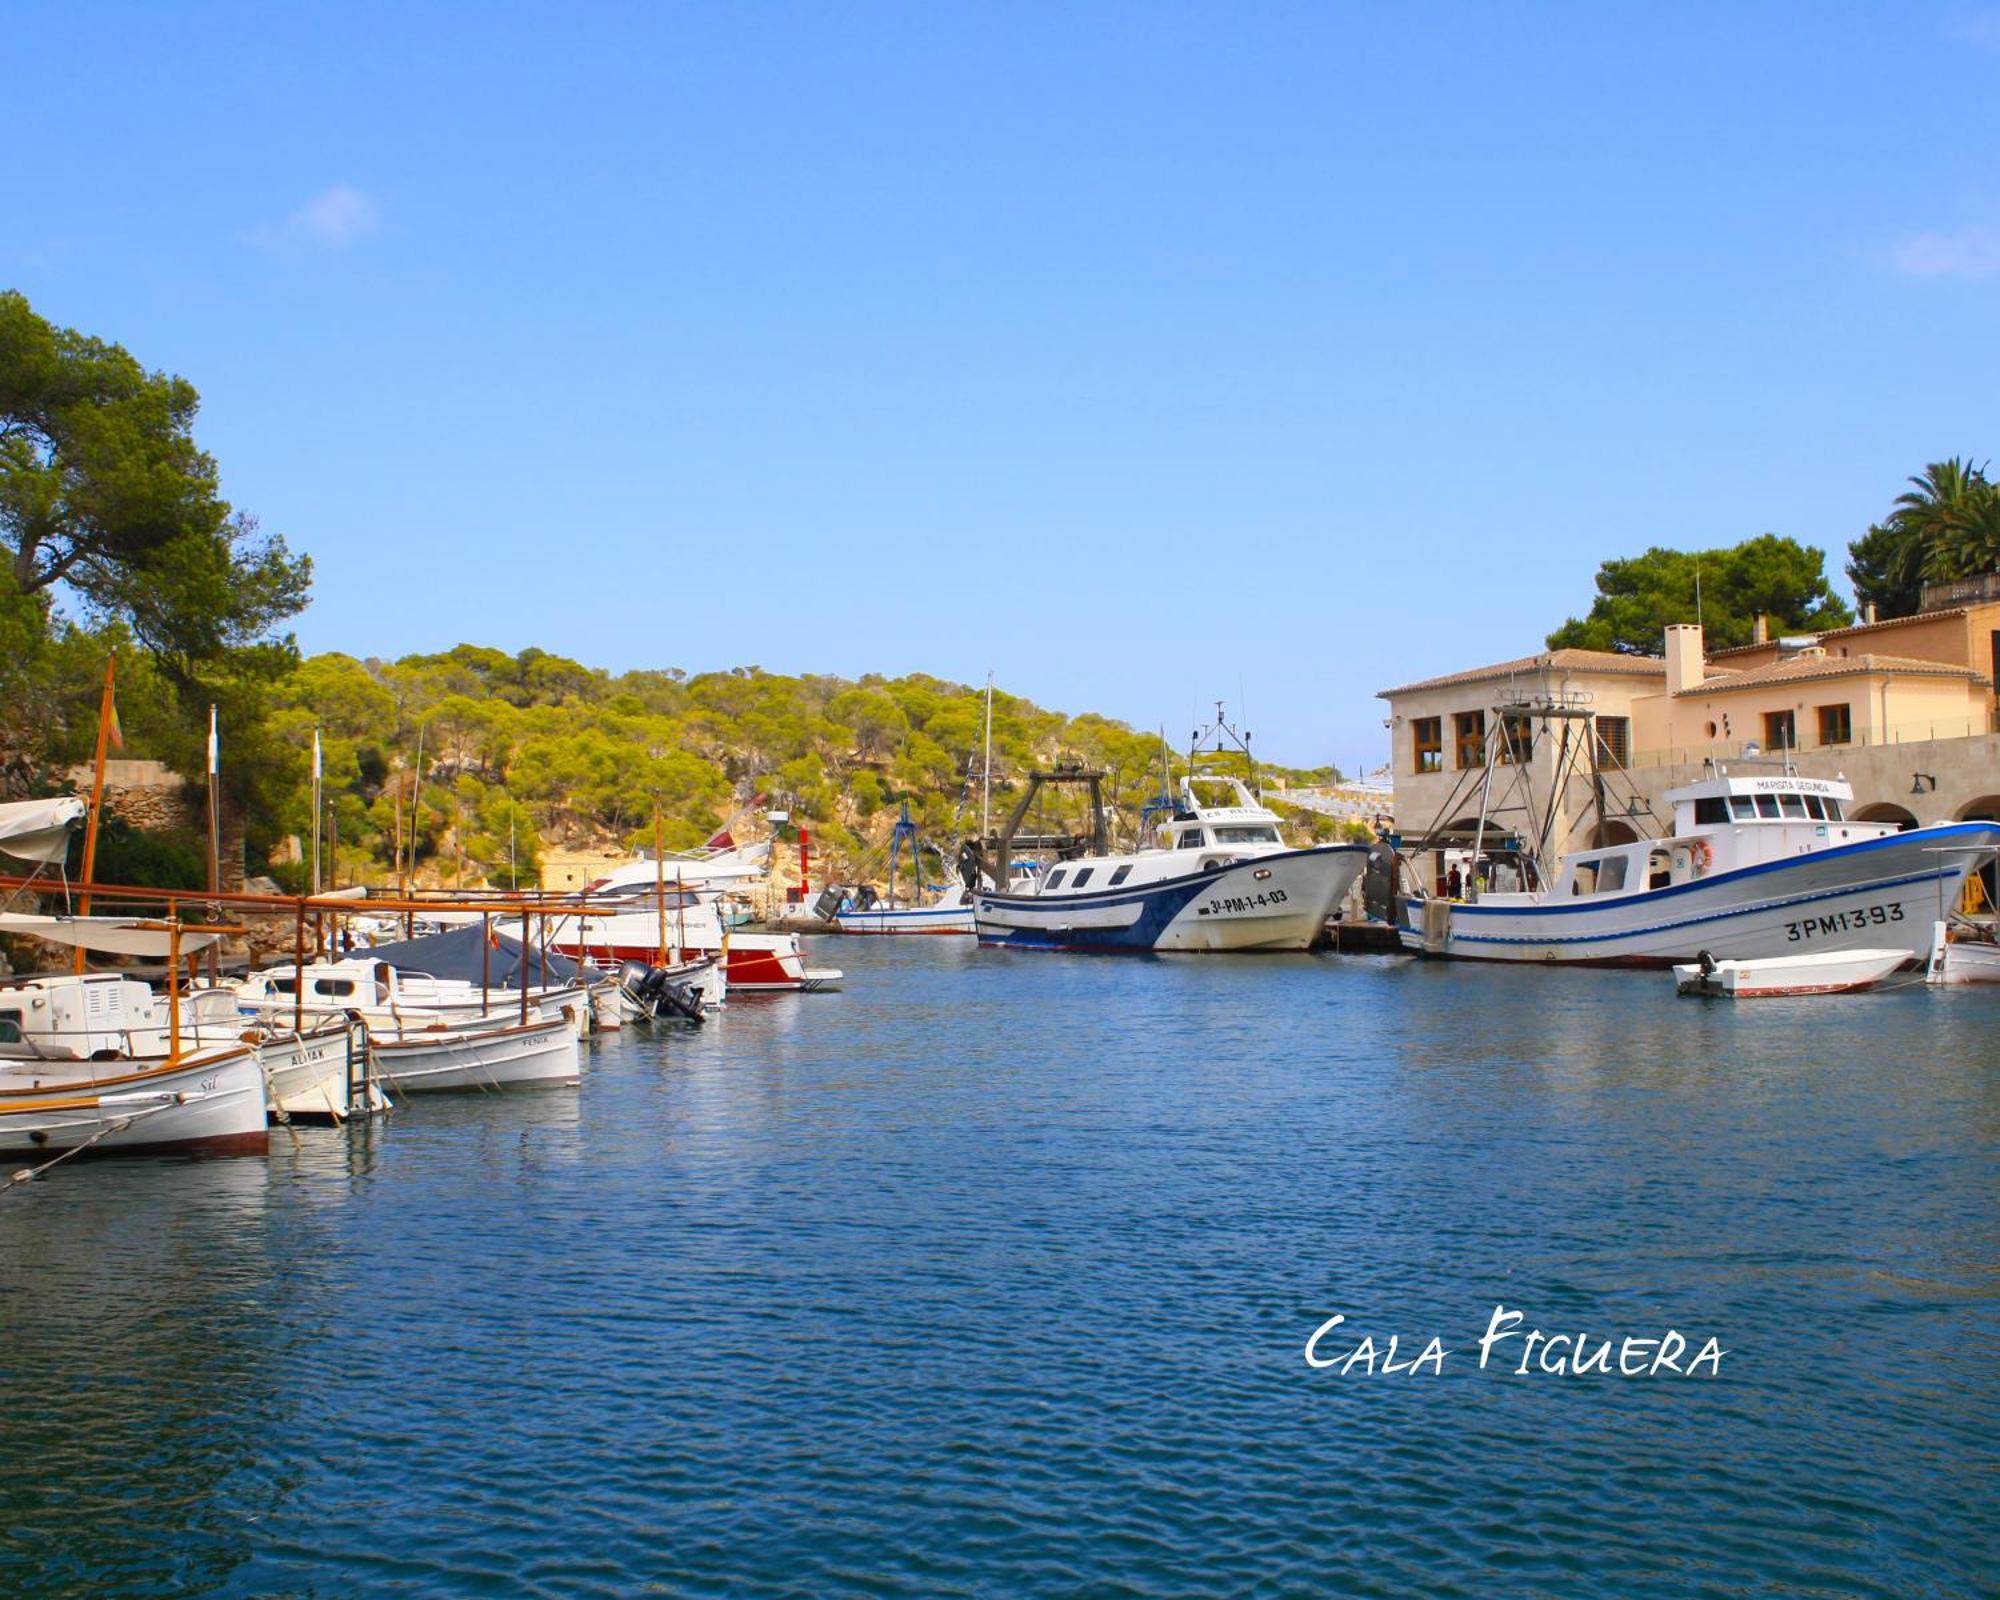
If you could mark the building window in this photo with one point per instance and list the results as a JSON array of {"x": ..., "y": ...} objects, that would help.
[
  {"x": 1614, "y": 741},
  {"x": 1430, "y": 743},
  {"x": 1470, "y": 728},
  {"x": 1517, "y": 737},
  {"x": 1781, "y": 731},
  {"x": 1836, "y": 725}
]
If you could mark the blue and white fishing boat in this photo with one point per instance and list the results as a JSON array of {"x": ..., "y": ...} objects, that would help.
[
  {"x": 1213, "y": 877},
  {"x": 1756, "y": 866}
]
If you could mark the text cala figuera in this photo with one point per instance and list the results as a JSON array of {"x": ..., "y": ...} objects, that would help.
[{"x": 1508, "y": 1346}]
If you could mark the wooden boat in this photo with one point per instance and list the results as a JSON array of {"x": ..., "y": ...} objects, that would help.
[
  {"x": 1819, "y": 972},
  {"x": 312, "y": 1076},
  {"x": 207, "y": 1102},
  {"x": 1970, "y": 961},
  {"x": 536, "y": 1053}
]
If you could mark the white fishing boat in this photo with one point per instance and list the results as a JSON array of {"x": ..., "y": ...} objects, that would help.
[
  {"x": 1756, "y": 866},
  {"x": 1818, "y": 972},
  {"x": 541, "y": 1053},
  {"x": 1214, "y": 876},
  {"x": 947, "y": 911}
]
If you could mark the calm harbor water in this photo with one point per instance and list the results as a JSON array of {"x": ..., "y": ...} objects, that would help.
[{"x": 993, "y": 1275}]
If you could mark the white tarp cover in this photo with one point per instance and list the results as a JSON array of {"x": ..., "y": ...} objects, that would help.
[
  {"x": 39, "y": 830},
  {"x": 116, "y": 936}
]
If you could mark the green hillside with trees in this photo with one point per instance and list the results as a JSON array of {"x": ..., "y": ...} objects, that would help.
[{"x": 117, "y": 539}]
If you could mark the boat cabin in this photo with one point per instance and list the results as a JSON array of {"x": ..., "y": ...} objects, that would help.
[
  {"x": 1722, "y": 824},
  {"x": 81, "y": 1015},
  {"x": 1242, "y": 821}
]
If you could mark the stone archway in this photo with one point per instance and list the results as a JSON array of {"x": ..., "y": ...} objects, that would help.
[
  {"x": 1984, "y": 808},
  {"x": 1615, "y": 831}
]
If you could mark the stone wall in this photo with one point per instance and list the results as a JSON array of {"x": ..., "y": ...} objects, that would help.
[{"x": 151, "y": 797}]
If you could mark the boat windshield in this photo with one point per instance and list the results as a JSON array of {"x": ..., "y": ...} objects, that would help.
[{"x": 1264, "y": 835}]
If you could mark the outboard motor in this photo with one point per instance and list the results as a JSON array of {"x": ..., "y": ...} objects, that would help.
[{"x": 681, "y": 999}]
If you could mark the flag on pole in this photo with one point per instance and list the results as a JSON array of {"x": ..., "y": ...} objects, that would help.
[
  {"x": 214, "y": 745},
  {"x": 114, "y": 733},
  {"x": 317, "y": 768}
]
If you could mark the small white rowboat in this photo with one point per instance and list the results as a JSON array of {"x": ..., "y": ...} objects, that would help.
[
  {"x": 1821, "y": 972},
  {"x": 1970, "y": 961}
]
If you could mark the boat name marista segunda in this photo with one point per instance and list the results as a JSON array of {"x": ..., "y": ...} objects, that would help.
[{"x": 1508, "y": 1346}]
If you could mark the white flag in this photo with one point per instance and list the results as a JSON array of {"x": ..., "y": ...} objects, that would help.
[
  {"x": 214, "y": 745},
  {"x": 316, "y": 762}
]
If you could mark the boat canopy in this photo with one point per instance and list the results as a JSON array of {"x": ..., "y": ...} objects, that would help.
[
  {"x": 39, "y": 830},
  {"x": 463, "y": 954},
  {"x": 114, "y": 936}
]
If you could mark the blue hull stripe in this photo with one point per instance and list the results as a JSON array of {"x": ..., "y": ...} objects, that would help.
[
  {"x": 1162, "y": 905},
  {"x": 1099, "y": 899},
  {"x": 1754, "y": 908}
]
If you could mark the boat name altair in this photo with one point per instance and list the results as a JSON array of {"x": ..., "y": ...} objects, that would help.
[{"x": 1558, "y": 1355}]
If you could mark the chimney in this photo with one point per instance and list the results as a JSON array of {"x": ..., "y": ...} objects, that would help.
[
  {"x": 1868, "y": 613},
  {"x": 1760, "y": 632},
  {"x": 1685, "y": 665}
]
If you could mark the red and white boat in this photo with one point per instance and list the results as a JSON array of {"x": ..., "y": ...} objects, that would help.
[{"x": 641, "y": 924}]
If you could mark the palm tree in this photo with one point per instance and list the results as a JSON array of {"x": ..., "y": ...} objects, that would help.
[
  {"x": 1969, "y": 544},
  {"x": 1932, "y": 509}
]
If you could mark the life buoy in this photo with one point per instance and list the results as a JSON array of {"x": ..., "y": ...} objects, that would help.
[{"x": 1701, "y": 853}]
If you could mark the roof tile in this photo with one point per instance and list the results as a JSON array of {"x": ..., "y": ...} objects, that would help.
[{"x": 1548, "y": 661}]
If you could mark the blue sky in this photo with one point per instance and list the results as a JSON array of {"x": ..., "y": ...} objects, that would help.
[{"x": 1142, "y": 354}]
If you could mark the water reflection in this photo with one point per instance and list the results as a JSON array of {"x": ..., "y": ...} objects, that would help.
[{"x": 992, "y": 1272}]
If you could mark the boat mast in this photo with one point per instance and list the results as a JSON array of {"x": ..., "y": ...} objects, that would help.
[
  {"x": 1486, "y": 786},
  {"x": 986, "y": 780},
  {"x": 215, "y": 830},
  {"x": 660, "y": 884},
  {"x": 318, "y": 785},
  {"x": 105, "y": 713},
  {"x": 1596, "y": 776}
]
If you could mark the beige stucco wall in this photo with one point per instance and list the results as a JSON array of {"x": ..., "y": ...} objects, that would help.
[
  {"x": 1961, "y": 640},
  {"x": 1883, "y": 709},
  {"x": 1966, "y": 770}
]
